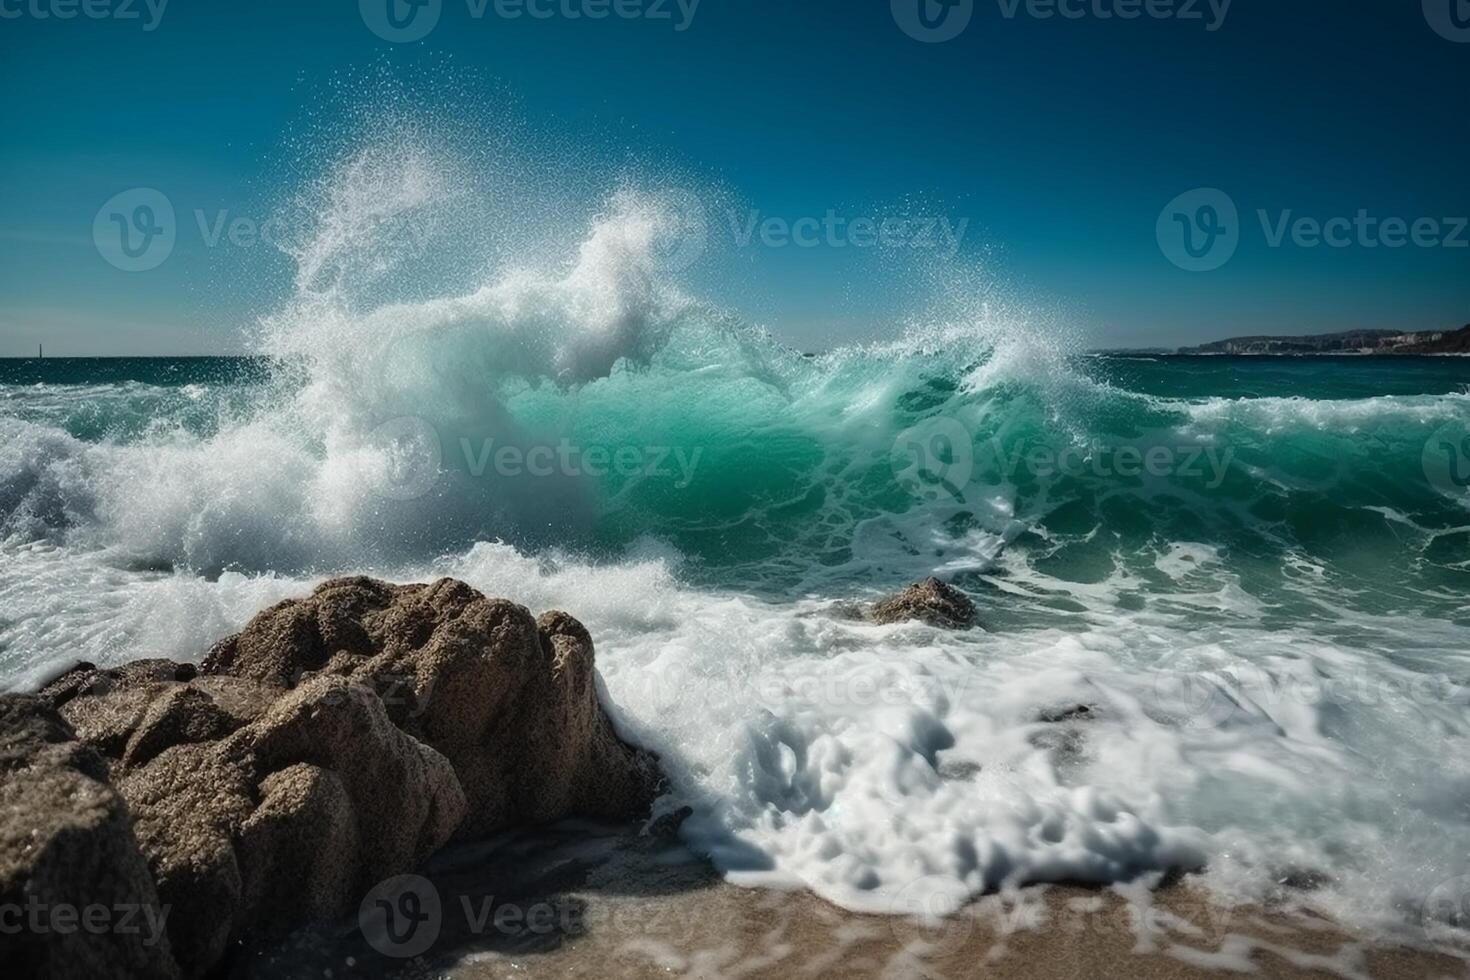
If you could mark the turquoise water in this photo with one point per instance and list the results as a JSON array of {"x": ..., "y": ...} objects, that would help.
[
  {"x": 769, "y": 467},
  {"x": 1254, "y": 571}
]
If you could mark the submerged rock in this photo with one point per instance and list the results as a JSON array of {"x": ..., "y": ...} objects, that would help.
[
  {"x": 930, "y": 601},
  {"x": 337, "y": 741},
  {"x": 1066, "y": 712}
]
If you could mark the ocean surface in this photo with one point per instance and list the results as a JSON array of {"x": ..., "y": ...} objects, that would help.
[{"x": 1252, "y": 573}]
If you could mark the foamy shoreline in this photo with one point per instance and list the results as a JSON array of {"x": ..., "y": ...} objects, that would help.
[{"x": 581, "y": 900}]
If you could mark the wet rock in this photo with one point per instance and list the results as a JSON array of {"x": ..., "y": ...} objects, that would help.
[
  {"x": 131, "y": 713},
  {"x": 667, "y": 826},
  {"x": 257, "y": 807},
  {"x": 339, "y": 740},
  {"x": 1070, "y": 712},
  {"x": 1303, "y": 879},
  {"x": 511, "y": 701},
  {"x": 289, "y": 819},
  {"x": 69, "y": 863},
  {"x": 930, "y": 601}
]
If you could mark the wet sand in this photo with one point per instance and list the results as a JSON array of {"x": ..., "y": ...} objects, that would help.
[{"x": 580, "y": 901}]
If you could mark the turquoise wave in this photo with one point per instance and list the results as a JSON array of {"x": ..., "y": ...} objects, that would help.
[{"x": 770, "y": 469}]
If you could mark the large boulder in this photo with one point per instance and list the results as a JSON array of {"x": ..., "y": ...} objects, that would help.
[
  {"x": 259, "y": 808},
  {"x": 337, "y": 741},
  {"x": 76, "y": 896},
  {"x": 930, "y": 601},
  {"x": 511, "y": 701}
]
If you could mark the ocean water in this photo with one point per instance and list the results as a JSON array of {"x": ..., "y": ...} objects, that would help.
[{"x": 1253, "y": 574}]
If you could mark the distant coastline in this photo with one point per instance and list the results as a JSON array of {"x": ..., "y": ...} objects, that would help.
[
  {"x": 1452, "y": 343},
  {"x": 1345, "y": 342}
]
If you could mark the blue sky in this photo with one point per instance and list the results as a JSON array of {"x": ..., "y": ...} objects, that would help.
[{"x": 1059, "y": 142}]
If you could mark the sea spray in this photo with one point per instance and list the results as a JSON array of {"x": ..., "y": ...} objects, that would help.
[{"x": 1270, "y": 648}]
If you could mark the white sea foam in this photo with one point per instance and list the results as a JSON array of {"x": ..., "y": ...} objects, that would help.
[
  {"x": 861, "y": 761},
  {"x": 816, "y": 750}
]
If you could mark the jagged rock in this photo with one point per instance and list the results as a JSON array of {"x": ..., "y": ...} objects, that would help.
[
  {"x": 509, "y": 700},
  {"x": 338, "y": 741},
  {"x": 69, "y": 860},
  {"x": 290, "y": 818},
  {"x": 930, "y": 601},
  {"x": 131, "y": 713},
  {"x": 257, "y": 807}
]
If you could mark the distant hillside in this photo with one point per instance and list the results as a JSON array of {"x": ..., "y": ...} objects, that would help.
[
  {"x": 1347, "y": 342},
  {"x": 1451, "y": 342}
]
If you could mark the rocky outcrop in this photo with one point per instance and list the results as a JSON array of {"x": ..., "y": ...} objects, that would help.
[
  {"x": 337, "y": 741},
  {"x": 929, "y": 601},
  {"x": 509, "y": 700},
  {"x": 258, "y": 807},
  {"x": 76, "y": 897}
]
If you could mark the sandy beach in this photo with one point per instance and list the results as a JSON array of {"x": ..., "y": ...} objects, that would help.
[{"x": 597, "y": 902}]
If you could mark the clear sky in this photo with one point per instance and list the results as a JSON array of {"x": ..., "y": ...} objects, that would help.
[{"x": 1060, "y": 142}]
